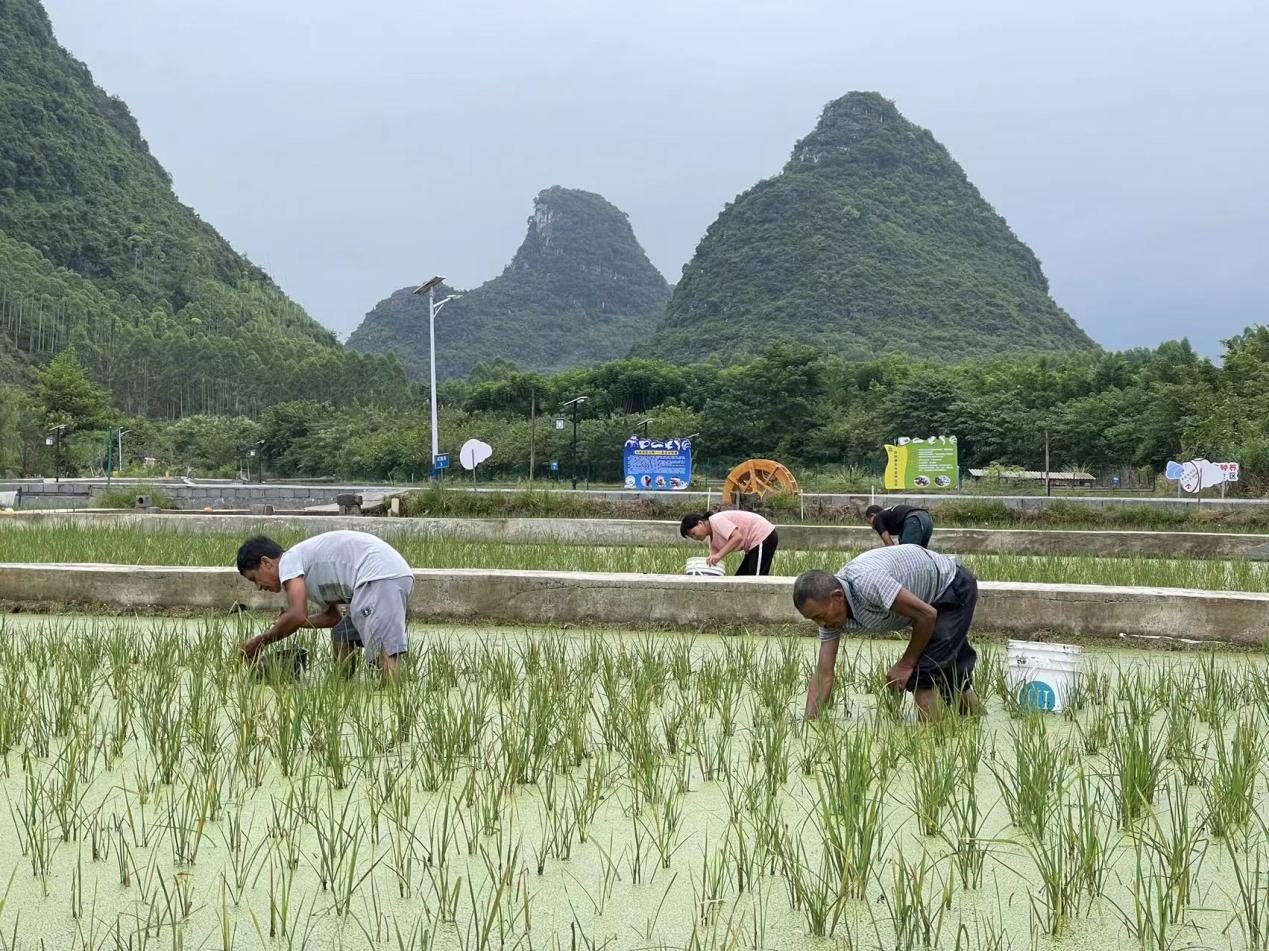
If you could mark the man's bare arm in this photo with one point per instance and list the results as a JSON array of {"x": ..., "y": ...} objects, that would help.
[
  {"x": 923, "y": 617},
  {"x": 287, "y": 623},
  {"x": 328, "y": 618},
  {"x": 819, "y": 693}
]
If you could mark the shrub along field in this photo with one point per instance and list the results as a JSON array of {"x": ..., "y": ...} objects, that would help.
[
  {"x": 522, "y": 789},
  {"x": 68, "y": 542}
]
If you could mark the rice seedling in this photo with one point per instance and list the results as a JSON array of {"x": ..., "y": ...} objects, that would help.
[
  {"x": 666, "y": 826},
  {"x": 480, "y": 928},
  {"x": 186, "y": 822},
  {"x": 1149, "y": 922},
  {"x": 1182, "y": 745},
  {"x": 1231, "y": 787},
  {"x": 1216, "y": 692},
  {"x": 446, "y": 891},
  {"x": 1136, "y": 757},
  {"x": 33, "y": 822},
  {"x": 1032, "y": 784},
  {"x": 287, "y": 731},
  {"x": 67, "y": 784},
  {"x": 918, "y": 899},
  {"x": 1178, "y": 849},
  {"x": 966, "y": 840},
  {"x": 935, "y": 769},
  {"x": 162, "y": 714},
  {"x": 771, "y": 749},
  {"x": 325, "y": 712},
  {"x": 420, "y": 937},
  {"x": 813, "y": 888},
  {"x": 850, "y": 814},
  {"x": 712, "y": 751},
  {"x": 1054, "y": 853},
  {"x": 1092, "y": 828},
  {"x": 1251, "y": 895}
]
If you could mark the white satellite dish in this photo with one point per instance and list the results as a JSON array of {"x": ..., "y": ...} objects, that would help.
[{"x": 473, "y": 453}]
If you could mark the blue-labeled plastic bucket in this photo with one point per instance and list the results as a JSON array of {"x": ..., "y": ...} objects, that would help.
[{"x": 1042, "y": 676}]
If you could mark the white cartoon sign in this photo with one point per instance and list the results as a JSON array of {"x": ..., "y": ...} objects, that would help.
[{"x": 1198, "y": 474}]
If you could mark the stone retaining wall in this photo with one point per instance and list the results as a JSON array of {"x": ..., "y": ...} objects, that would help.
[{"x": 640, "y": 601}]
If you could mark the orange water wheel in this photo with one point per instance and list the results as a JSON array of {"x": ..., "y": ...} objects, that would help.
[{"x": 760, "y": 477}]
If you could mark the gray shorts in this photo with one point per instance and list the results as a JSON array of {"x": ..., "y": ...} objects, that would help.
[{"x": 376, "y": 618}]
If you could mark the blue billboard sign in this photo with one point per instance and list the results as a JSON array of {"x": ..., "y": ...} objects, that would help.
[{"x": 658, "y": 465}]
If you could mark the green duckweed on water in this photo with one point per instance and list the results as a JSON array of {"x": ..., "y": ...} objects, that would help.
[{"x": 588, "y": 789}]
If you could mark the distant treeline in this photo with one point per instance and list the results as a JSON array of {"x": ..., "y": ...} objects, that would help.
[{"x": 800, "y": 405}]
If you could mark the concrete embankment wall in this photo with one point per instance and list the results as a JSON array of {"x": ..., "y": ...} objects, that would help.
[
  {"x": 640, "y": 601},
  {"x": 651, "y": 534},
  {"x": 81, "y": 493}
]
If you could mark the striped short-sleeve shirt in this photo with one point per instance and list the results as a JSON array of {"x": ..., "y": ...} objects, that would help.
[{"x": 872, "y": 581}]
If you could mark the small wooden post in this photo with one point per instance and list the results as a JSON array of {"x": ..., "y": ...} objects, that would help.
[{"x": 1046, "y": 462}]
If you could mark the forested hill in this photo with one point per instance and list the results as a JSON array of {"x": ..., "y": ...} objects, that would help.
[
  {"x": 97, "y": 253},
  {"x": 871, "y": 240},
  {"x": 580, "y": 290}
]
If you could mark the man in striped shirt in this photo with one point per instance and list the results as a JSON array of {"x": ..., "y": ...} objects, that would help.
[{"x": 888, "y": 589}]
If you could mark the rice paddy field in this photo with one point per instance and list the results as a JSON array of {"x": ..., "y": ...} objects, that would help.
[
  {"x": 598, "y": 789},
  {"x": 66, "y": 542}
]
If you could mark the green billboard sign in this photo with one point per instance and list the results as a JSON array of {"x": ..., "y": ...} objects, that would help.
[{"x": 923, "y": 464}]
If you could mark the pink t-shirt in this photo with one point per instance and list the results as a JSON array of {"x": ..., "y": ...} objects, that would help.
[{"x": 753, "y": 530}]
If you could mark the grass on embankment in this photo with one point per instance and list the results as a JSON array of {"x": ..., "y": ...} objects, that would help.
[
  {"x": 66, "y": 542},
  {"x": 977, "y": 513}
]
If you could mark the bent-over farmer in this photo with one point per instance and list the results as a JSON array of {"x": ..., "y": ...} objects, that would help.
[
  {"x": 888, "y": 589},
  {"x": 901, "y": 524},
  {"x": 355, "y": 569},
  {"x": 732, "y": 531}
]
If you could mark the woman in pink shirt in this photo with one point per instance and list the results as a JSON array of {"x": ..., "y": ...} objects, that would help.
[{"x": 730, "y": 531}]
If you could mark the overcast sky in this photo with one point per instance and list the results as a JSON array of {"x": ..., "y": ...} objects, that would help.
[{"x": 351, "y": 149}]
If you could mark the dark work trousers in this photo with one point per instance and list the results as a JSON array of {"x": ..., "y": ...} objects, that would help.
[
  {"x": 758, "y": 559},
  {"x": 947, "y": 663},
  {"x": 917, "y": 529}
]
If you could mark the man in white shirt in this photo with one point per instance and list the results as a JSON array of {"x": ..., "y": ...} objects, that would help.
[{"x": 355, "y": 569}]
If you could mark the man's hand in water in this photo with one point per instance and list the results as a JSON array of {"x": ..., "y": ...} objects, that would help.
[
  {"x": 252, "y": 648},
  {"x": 897, "y": 676}
]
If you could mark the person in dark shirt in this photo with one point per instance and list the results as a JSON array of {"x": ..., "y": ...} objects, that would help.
[{"x": 901, "y": 524}]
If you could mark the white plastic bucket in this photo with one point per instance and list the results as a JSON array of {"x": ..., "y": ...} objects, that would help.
[
  {"x": 699, "y": 567},
  {"x": 1042, "y": 676}
]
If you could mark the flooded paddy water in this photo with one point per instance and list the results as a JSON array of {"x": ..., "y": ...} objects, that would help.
[{"x": 598, "y": 789}]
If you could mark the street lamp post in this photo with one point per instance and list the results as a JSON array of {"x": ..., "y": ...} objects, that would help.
[
  {"x": 575, "y": 403},
  {"x": 644, "y": 424},
  {"x": 433, "y": 308},
  {"x": 692, "y": 438},
  {"x": 55, "y": 441},
  {"x": 119, "y": 457}
]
